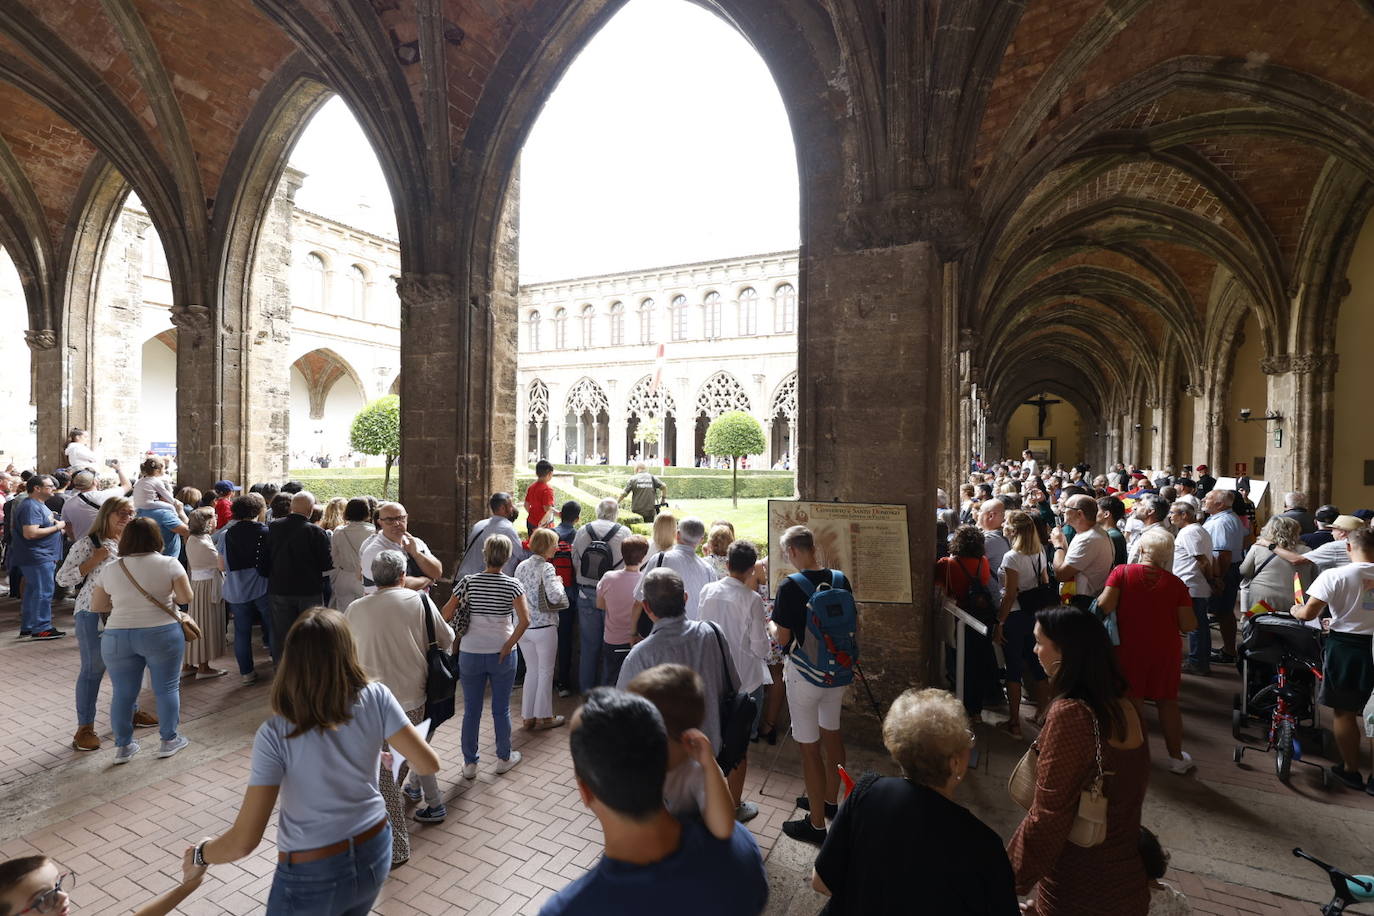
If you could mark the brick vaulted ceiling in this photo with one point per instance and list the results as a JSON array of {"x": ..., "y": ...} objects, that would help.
[{"x": 1120, "y": 160}]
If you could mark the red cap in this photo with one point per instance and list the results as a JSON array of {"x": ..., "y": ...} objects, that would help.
[{"x": 1202, "y": 467}]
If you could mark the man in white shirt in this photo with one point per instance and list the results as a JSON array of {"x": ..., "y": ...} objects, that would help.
[
  {"x": 502, "y": 521},
  {"x": 736, "y": 608},
  {"x": 1330, "y": 555},
  {"x": 682, "y": 558},
  {"x": 1029, "y": 466},
  {"x": 1227, "y": 532},
  {"x": 1348, "y": 667},
  {"x": 1193, "y": 564},
  {"x": 1088, "y": 559},
  {"x": 422, "y": 568},
  {"x": 991, "y": 515}
]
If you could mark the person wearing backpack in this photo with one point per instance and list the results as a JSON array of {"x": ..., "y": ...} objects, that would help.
[
  {"x": 566, "y": 529},
  {"x": 816, "y": 671},
  {"x": 965, "y": 577},
  {"x": 596, "y": 551}
]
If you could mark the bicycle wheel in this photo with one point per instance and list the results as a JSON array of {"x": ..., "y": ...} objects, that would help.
[{"x": 1283, "y": 751}]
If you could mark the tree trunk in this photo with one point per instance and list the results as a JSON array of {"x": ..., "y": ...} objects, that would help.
[{"x": 734, "y": 481}]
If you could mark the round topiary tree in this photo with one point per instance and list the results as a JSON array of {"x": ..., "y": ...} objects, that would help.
[
  {"x": 647, "y": 431},
  {"x": 376, "y": 430},
  {"x": 734, "y": 435}
]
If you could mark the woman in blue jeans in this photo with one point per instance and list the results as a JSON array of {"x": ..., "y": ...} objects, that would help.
[
  {"x": 321, "y": 754},
  {"x": 492, "y": 616},
  {"x": 83, "y": 566},
  {"x": 140, "y": 591}
]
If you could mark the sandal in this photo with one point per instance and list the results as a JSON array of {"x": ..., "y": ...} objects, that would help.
[
  {"x": 551, "y": 722},
  {"x": 1013, "y": 728}
]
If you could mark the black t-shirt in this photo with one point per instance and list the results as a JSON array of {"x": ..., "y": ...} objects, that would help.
[
  {"x": 789, "y": 607},
  {"x": 901, "y": 848}
]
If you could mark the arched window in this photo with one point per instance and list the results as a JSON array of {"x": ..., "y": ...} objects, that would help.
[
  {"x": 785, "y": 309},
  {"x": 617, "y": 323},
  {"x": 357, "y": 282},
  {"x": 748, "y": 312},
  {"x": 588, "y": 314},
  {"x": 560, "y": 329},
  {"x": 711, "y": 315},
  {"x": 678, "y": 308},
  {"x": 534, "y": 332},
  {"x": 314, "y": 273},
  {"x": 646, "y": 321}
]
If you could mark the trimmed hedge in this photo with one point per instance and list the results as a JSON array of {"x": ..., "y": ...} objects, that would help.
[
  {"x": 313, "y": 473},
  {"x": 623, "y": 470},
  {"x": 702, "y": 487},
  {"x": 326, "y": 488}
]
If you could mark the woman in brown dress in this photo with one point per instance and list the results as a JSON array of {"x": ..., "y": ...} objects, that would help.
[{"x": 1070, "y": 880}]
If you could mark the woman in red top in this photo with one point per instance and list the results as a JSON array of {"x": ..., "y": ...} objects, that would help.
[
  {"x": 1152, "y": 608},
  {"x": 1090, "y": 712},
  {"x": 954, "y": 576}
]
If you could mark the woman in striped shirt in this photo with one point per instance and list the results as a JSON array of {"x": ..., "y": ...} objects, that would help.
[{"x": 491, "y": 617}]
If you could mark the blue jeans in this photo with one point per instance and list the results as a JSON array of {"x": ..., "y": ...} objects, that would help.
[
  {"x": 126, "y": 654},
  {"x": 1200, "y": 639},
  {"x": 474, "y": 670},
  {"x": 92, "y": 666},
  {"x": 346, "y": 884},
  {"x": 244, "y": 613},
  {"x": 35, "y": 611},
  {"x": 562, "y": 676},
  {"x": 591, "y": 625}
]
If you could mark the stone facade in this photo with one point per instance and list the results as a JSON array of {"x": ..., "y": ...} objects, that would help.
[{"x": 672, "y": 346}]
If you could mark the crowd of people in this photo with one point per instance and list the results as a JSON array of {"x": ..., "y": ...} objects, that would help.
[{"x": 682, "y": 658}]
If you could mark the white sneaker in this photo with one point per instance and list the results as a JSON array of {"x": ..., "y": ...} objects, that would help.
[
  {"x": 1181, "y": 767},
  {"x": 505, "y": 766},
  {"x": 126, "y": 753},
  {"x": 469, "y": 771},
  {"x": 249, "y": 679},
  {"x": 169, "y": 748}
]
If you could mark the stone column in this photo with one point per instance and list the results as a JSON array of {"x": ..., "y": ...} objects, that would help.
[
  {"x": 884, "y": 303},
  {"x": 46, "y": 376},
  {"x": 200, "y": 417},
  {"x": 116, "y": 345},
  {"x": 616, "y": 449},
  {"x": 686, "y": 426},
  {"x": 1300, "y": 388}
]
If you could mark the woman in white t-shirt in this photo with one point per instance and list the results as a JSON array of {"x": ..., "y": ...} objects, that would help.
[
  {"x": 546, "y": 598},
  {"x": 140, "y": 592},
  {"x": 1026, "y": 589},
  {"x": 320, "y": 754},
  {"x": 491, "y": 617},
  {"x": 79, "y": 454}
]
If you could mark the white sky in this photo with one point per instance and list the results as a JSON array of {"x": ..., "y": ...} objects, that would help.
[{"x": 665, "y": 142}]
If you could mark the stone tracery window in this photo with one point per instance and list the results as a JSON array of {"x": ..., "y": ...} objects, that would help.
[
  {"x": 785, "y": 399},
  {"x": 534, "y": 331},
  {"x": 560, "y": 329},
  {"x": 646, "y": 321},
  {"x": 711, "y": 315},
  {"x": 748, "y": 312},
  {"x": 785, "y": 309},
  {"x": 678, "y": 308},
  {"x": 617, "y": 323},
  {"x": 588, "y": 332},
  {"x": 586, "y": 397},
  {"x": 539, "y": 402},
  {"x": 722, "y": 393},
  {"x": 646, "y": 401}
]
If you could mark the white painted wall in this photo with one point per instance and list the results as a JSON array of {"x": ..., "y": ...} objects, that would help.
[{"x": 158, "y": 410}]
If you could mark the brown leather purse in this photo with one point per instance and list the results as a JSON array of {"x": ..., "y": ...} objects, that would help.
[
  {"x": 1090, "y": 823},
  {"x": 189, "y": 628}
]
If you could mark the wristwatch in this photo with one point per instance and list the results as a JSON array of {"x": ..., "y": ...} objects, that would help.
[{"x": 198, "y": 857}]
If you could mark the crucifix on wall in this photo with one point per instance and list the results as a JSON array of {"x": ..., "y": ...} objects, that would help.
[{"x": 1042, "y": 406}]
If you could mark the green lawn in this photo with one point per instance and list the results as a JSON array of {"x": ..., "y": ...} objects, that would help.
[{"x": 750, "y": 519}]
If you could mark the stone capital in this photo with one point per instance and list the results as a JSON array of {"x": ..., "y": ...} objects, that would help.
[
  {"x": 1216, "y": 419},
  {"x": 193, "y": 319},
  {"x": 1152, "y": 403},
  {"x": 42, "y": 339},
  {"x": 1276, "y": 365},
  {"x": 1305, "y": 363},
  {"x": 1193, "y": 391},
  {"x": 425, "y": 290},
  {"x": 945, "y": 217},
  {"x": 967, "y": 338}
]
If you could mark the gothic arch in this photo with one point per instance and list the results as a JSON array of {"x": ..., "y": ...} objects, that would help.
[
  {"x": 647, "y": 401},
  {"x": 537, "y": 419},
  {"x": 587, "y": 421},
  {"x": 650, "y": 404},
  {"x": 720, "y": 394},
  {"x": 322, "y": 369}
]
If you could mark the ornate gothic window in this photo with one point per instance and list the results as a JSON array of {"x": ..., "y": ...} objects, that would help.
[
  {"x": 785, "y": 309},
  {"x": 647, "y": 401},
  {"x": 357, "y": 290},
  {"x": 314, "y": 278},
  {"x": 617, "y": 323},
  {"x": 646, "y": 321},
  {"x": 587, "y": 397},
  {"x": 539, "y": 401},
  {"x": 587, "y": 317},
  {"x": 722, "y": 393},
  {"x": 748, "y": 312},
  {"x": 785, "y": 399},
  {"x": 678, "y": 308},
  {"x": 534, "y": 332},
  {"x": 711, "y": 315},
  {"x": 560, "y": 329}
]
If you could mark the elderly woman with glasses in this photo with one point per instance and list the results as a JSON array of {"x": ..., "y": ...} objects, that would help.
[
  {"x": 898, "y": 839},
  {"x": 37, "y": 884}
]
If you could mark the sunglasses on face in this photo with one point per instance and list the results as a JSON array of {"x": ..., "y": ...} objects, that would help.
[{"x": 48, "y": 901}]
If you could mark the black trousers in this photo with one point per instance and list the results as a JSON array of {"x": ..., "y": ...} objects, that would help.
[{"x": 285, "y": 610}]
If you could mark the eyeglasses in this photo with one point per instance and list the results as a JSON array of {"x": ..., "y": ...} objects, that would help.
[
  {"x": 47, "y": 902},
  {"x": 394, "y": 518}
]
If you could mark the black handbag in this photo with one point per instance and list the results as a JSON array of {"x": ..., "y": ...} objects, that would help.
[
  {"x": 441, "y": 678},
  {"x": 1040, "y": 596},
  {"x": 737, "y": 713}
]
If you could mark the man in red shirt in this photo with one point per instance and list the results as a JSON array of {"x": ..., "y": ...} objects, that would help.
[
  {"x": 539, "y": 498},
  {"x": 224, "y": 495}
]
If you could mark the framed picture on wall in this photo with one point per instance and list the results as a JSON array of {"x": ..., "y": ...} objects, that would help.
[{"x": 1043, "y": 449}]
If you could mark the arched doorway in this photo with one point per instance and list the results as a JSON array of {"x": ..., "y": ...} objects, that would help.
[
  {"x": 722, "y": 393},
  {"x": 158, "y": 395},
  {"x": 326, "y": 394},
  {"x": 782, "y": 418},
  {"x": 587, "y": 423},
  {"x": 650, "y": 407}
]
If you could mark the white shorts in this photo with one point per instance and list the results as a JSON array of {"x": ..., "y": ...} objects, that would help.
[{"x": 813, "y": 708}]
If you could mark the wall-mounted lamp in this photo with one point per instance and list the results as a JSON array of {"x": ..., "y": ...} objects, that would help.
[
  {"x": 1154, "y": 429},
  {"x": 1245, "y": 417},
  {"x": 1138, "y": 427}
]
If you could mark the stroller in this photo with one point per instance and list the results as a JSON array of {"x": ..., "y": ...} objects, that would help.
[{"x": 1281, "y": 666}]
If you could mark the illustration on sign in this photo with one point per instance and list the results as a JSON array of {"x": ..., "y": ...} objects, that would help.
[{"x": 867, "y": 541}]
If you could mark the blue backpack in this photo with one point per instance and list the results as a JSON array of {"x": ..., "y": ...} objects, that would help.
[{"x": 831, "y": 649}]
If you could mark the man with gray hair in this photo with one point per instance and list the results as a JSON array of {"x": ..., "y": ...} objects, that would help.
[
  {"x": 1295, "y": 507},
  {"x": 682, "y": 558},
  {"x": 84, "y": 500},
  {"x": 1193, "y": 564},
  {"x": 422, "y": 569},
  {"x": 392, "y": 635},
  {"x": 1228, "y": 549},
  {"x": 1150, "y": 511},
  {"x": 502, "y": 521},
  {"x": 677, "y": 640},
  {"x": 295, "y": 562},
  {"x": 595, "y": 552}
]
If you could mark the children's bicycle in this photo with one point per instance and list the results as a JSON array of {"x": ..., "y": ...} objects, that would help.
[{"x": 1349, "y": 889}]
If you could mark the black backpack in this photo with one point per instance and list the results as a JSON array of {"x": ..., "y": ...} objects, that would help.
[
  {"x": 977, "y": 602},
  {"x": 597, "y": 558}
]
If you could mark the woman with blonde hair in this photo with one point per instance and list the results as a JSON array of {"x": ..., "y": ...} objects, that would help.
[
  {"x": 547, "y": 599},
  {"x": 333, "y": 515},
  {"x": 1265, "y": 575},
  {"x": 717, "y": 545},
  {"x": 1152, "y": 609},
  {"x": 321, "y": 753},
  {"x": 894, "y": 833},
  {"x": 207, "y": 601},
  {"x": 1026, "y": 588},
  {"x": 664, "y": 534}
]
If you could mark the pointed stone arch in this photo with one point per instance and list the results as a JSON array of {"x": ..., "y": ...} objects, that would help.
[
  {"x": 648, "y": 403},
  {"x": 586, "y": 420},
  {"x": 782, "y": 421},
  {"x": 537, "y": 418},
  {"x": 721, "y": 393},
  {"x": 322, "y": 369}
]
